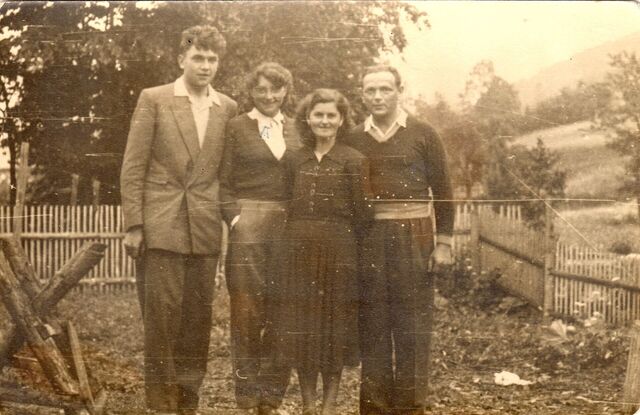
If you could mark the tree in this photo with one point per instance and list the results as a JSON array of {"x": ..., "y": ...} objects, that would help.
[
  {"x": 620, "y": 117},
  {"x": 10, "y": 83},
  {"x": 85, "y": 63},
  {"x": 461, "y": 139},
  {"x": 529, "y": 174},
  {"x": 568, "y": 106},
  {"x": 491, "y": 112}
]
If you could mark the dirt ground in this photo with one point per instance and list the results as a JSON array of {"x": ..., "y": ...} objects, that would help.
[{"x": 575, "y": 367}]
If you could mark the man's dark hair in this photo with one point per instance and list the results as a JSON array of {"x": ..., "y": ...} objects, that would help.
[
  {"x": 275, "y": 73},
  {"x": 383, "y": 68},
  {"x": 321, "y": 96},
  {"x": 204, "y": 38}
]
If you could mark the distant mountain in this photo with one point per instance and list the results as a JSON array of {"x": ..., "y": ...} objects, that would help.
[{"x": 590, "y": 65}]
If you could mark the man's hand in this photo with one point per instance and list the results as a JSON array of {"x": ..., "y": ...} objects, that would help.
[
  {"x": 134, "y": 242},
  {"x": 441, "y": 258}
]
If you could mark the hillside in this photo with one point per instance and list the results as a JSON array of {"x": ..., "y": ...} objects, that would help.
[
  {"x": 589, "y": 66},
  {"x": 593, "y": 169}
]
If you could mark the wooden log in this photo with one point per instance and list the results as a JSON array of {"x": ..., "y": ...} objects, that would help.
[
  {"x": 24, "y": 316},
  {"x": 78, "y": 364},
  {"x": 65, "y": 279},
  {"x": 87, "y": 257},
  {"x": 19, "y": 262},
  {"x": 631, "y": 395},
  {"x": 23, "y": 396}
]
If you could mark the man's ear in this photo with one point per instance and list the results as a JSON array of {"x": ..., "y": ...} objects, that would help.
[{"x": 181, "y": 61}]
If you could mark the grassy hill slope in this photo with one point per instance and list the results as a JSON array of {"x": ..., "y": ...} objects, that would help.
[{"x": 593, "y": 169}]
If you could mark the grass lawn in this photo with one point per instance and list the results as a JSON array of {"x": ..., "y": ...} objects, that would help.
[{"x": 601, "y": 226}]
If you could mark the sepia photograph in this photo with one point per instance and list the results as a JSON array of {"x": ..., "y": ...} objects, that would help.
[{"x": 319, "y": 207}]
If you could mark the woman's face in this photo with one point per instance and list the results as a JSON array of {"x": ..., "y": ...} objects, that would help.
[
  {"x": 267, "y": 98},
  {"x": 324, "y": 119}
]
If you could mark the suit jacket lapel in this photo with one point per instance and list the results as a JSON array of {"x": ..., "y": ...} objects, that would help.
[
  {"x": 213, "y": 139},
  {"x": 186, "y": 123}
]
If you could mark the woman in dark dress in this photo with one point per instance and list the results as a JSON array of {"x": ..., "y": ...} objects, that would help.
[{"x": 318, "y": 297}]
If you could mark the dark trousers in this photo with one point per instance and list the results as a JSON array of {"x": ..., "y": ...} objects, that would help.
[
  {"x": 396, "y": 314},
  {"x": 252, "y": 265},
  {"x": 175, "y": 293}
]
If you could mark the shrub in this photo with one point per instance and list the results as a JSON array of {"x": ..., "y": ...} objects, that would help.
[{"x": 621, "y": 248}]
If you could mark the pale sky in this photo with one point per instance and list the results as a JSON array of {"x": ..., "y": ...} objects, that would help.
[{"x": 520, "y": 37}]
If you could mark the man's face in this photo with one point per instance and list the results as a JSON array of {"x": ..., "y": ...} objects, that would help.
[
  {"x": 380, "y": 93},
  {"x": 198, "y": 66}
]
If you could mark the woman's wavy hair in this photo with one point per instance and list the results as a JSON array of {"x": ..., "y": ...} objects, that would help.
[
  {"x": 275, "y": 73},
  {"x": 321, "y": 96}
]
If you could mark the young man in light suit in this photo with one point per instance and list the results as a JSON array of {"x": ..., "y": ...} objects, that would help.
[{"x": 169, "y": 186}]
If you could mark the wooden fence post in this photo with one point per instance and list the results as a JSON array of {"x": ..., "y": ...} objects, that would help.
[
  {"x": 23, "y": 177},
  {"x": 75, "y": 181},
  {"x": 631, "y": 395},
  {"x": 476, "y": 261},
  {"x": 95, "y": 205},
  {"x": 549, "y": 259},
  {"x": 96, "y": 193}
]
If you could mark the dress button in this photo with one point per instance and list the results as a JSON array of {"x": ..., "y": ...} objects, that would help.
[{"x": 312, "y": 192}]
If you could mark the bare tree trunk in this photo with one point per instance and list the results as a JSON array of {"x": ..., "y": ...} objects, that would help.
[{"x": 13, "y": 178}]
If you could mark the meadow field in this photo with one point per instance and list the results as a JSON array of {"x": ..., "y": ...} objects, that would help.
[{"x": 594, "y": 172}]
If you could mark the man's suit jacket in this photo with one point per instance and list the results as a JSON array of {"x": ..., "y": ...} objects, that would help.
[
  {"x": 249, "y": 169},
  {"x": 169, "y": 185}
]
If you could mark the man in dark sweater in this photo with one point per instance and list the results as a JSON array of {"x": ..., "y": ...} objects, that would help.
[{"x": 410, "y": 240}]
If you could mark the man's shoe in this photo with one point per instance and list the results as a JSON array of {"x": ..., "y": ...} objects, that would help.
[{"x": 268, "y": 410}]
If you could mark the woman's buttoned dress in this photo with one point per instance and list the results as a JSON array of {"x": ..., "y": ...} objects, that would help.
[{"x": 317, "y": 305}]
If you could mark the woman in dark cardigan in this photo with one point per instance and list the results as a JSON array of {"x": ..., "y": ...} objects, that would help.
[
  {"x": 316, "y": 317},
  {"x": 253, "y": 192}
]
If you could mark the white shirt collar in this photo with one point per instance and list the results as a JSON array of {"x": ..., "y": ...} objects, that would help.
[
  {"x": 401, "y": 120},
  {"x": 255, "y": 114},
  {"x": 180, "y": 90}
]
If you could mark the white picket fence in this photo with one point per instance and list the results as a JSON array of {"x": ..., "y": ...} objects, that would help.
[
  {"x": 584, "y": 281},
  {"x": 588, "y": 282},
  {"x": 53, "y": 233}
]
